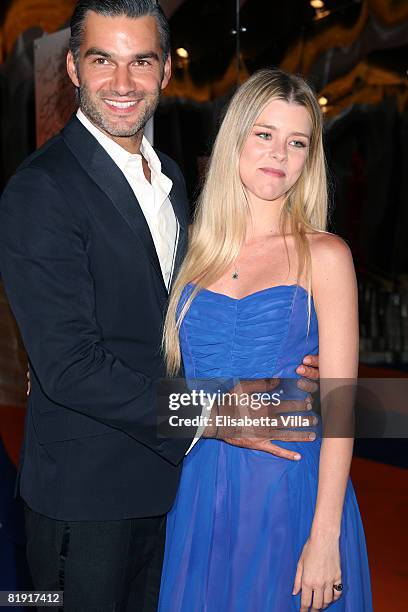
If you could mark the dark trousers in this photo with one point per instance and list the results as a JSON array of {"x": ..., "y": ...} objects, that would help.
[{"x": 100, "y": 566}]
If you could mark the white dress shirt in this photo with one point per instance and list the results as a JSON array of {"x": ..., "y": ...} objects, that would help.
[{"x": 153, "y": 197}]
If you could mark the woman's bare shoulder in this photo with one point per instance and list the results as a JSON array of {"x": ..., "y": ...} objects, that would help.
[
  {"x": 326, "y": 246},
  {"x": 332, "y": 261}
]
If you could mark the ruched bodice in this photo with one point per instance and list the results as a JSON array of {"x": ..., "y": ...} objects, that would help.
[
  {"x": 261, "y": 335},
  {"x": 242, "y": 517}
]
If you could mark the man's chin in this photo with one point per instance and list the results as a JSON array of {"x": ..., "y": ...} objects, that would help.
[{"x": 121, "y": 131}]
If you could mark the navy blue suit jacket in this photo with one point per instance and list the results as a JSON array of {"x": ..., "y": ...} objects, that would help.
[{"x": 84, "y": 282}]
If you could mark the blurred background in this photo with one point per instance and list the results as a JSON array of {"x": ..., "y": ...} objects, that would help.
[{"x": 355, "y": 54}]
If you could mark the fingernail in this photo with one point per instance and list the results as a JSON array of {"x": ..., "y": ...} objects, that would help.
[
  {"x": 301, "y": 370},
  {"x": 309, "y": 406},
  {"x": 312, "y": 436},
  {"x": 306, "y": 360},
  {"x": 297, "y": 457}
]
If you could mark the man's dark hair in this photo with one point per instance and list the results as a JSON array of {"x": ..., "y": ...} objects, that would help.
[{"x": 117, "y": 8}]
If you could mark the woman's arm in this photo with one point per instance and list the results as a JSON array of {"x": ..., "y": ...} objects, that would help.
[
  {"x": 335, "y": 299},
  {"x": 336, "y": 303}
]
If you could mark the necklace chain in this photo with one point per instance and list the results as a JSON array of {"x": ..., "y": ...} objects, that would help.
[{"x": 235, "y": 274}]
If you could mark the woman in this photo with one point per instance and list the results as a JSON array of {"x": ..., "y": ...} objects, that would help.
[{"x": 263, "y": 284}]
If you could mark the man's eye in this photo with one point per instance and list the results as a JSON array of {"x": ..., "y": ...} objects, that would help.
[
  {"x": 101, "y": 61},
  {"x": 142, "y": 63}
]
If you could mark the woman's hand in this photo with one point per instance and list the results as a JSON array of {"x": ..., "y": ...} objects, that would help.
[{"x": 318, "y": 570}]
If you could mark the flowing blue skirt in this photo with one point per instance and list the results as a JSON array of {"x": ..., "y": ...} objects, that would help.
[{"x": 237, "y": 529}]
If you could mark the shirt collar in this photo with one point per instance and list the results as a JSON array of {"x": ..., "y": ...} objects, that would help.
[{"x": 119, "y": 155}]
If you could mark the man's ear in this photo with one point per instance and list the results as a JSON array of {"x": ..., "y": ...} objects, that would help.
[
  {"x": 166, "y": 72},
  {"x": 71, "y": 69}
]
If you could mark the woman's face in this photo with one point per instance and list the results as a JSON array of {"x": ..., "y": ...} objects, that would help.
[{"x": 275, "y": 151}]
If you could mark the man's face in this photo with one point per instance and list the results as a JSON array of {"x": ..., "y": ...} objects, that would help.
[{"x": 120, "y": 73}]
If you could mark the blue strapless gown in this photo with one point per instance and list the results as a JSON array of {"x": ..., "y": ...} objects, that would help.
[{"x": 242, "y": 517}]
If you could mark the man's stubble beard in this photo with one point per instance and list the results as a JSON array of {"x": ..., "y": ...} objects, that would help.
[{"x": 91, "y": 110}]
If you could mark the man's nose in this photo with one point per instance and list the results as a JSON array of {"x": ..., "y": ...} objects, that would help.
[{"x": 123, "y": 81}]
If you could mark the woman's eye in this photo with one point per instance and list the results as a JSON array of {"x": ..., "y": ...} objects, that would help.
[
  {"x": 264, "y": 135},
  {"x": 299, "y": 144}
]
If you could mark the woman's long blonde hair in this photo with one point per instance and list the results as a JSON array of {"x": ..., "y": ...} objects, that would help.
[{"x": 222, "y": 213}]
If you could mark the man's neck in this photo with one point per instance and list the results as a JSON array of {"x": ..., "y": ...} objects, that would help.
[{"x": 131, "y": 145}]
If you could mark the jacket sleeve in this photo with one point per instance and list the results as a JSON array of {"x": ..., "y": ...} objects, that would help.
[{"x": 45, "y": 269}]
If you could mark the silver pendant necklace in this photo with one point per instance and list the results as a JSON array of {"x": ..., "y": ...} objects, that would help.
[{"x": 235, "y": 273}]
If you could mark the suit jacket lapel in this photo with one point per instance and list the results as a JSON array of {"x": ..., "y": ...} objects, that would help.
[
  {"x": 178, "y": 199},
  {"x": 106, "y": 174}
]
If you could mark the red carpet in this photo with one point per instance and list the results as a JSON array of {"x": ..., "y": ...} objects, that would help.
[
  {"x": 382, "y": 493},
  {"x": 11, "y": 429}
]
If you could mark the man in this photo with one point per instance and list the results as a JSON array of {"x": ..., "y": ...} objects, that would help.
[{"x": 93, "y": 228}]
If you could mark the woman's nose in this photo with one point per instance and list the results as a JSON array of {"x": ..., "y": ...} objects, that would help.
[{"x": 278, "y": 149}]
